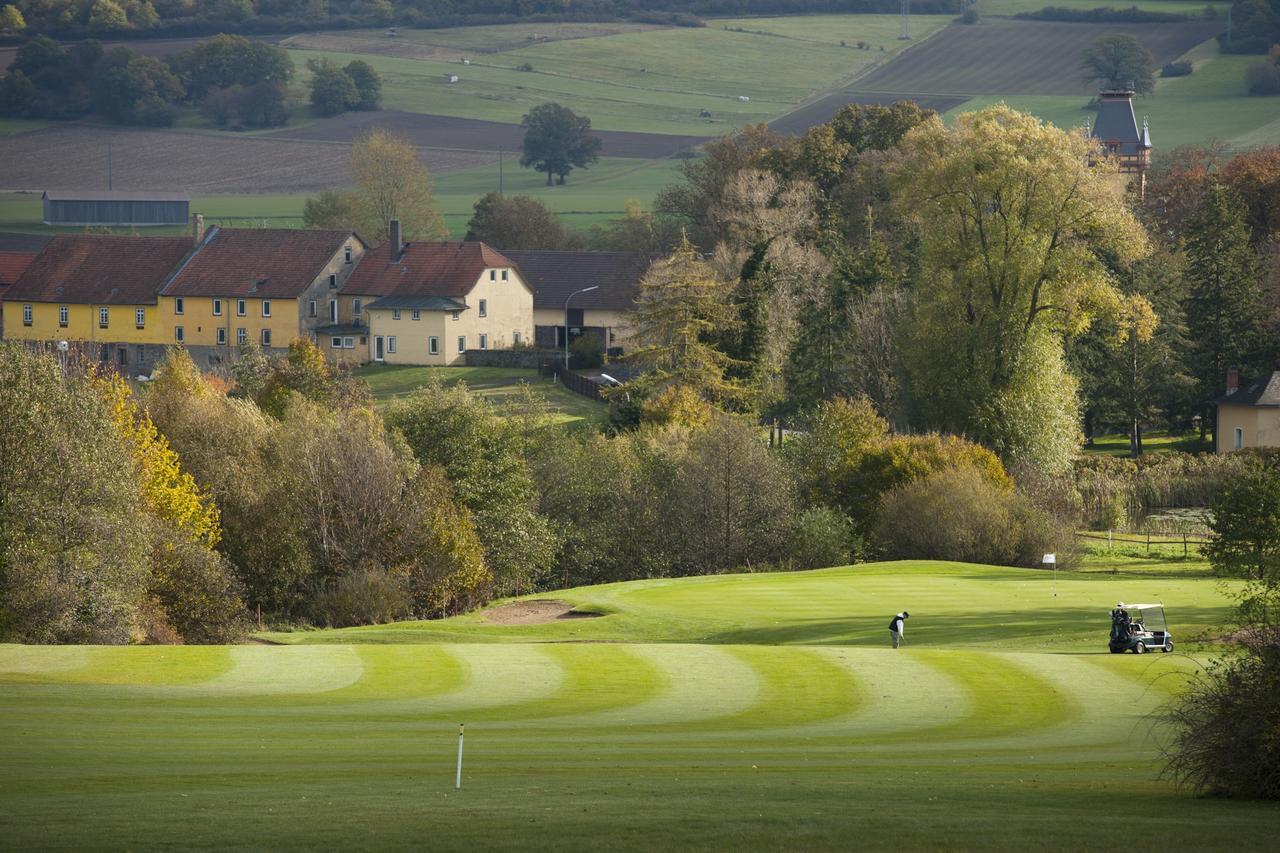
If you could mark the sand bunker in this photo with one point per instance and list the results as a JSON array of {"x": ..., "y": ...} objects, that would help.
[{"x": 536, "y": 612}]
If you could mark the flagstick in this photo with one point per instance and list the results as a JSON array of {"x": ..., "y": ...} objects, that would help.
[{"x": 458, "y": 782}]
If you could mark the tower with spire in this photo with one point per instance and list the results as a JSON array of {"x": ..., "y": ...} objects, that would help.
[{"x": 1116, "y": 128}]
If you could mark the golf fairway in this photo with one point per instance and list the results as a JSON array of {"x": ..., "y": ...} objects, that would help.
[{"x": 729, "y": 712}]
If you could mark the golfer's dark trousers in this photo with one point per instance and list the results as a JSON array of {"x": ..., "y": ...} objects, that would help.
[{"x": 896, "y": 637}]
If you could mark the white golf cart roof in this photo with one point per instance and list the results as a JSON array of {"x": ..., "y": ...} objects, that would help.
[{"x": 1142, "y": 606}]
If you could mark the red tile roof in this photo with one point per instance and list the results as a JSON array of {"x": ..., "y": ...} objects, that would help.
[
  {"x": 260, "y": 262},
  {"x": 425, "y": 269},
  {"x": 12, "y": 265},
  {"x": 100, "y": 270}
]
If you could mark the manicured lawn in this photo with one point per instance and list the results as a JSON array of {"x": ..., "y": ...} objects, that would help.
[
  {"x": 495, "y": 384},
  {"x": 730, "y": 713},
  {"x": 645, "y": 79}
]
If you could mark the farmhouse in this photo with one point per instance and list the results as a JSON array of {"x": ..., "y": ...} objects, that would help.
[
  {"x": 268, "y": 286},
  {"x": 1116, "y": 128},
  {"x": 429, "y": 303},
  {"x": 15, "y": 257},
  {"x": 559, "y": 280},
  {"x": 96, "y": 207},
  {"x": 99, "y": 294},
  {"x": 1249, "y": 416}
]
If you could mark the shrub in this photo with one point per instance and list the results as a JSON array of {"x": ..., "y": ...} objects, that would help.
[
  {"x": 361, "y": 597},
  {"x": 587, "y": 351},
  {"x": 1180, "y": 68},
  {"x": 1263, "y": 78},
  {"x": 958, "y": 514},
  {"x": 823, "y": 537},
  {"x": 199, "y": 593},
  {"x": 969, "y": 16},
  {"x": 1225, "y": 724}
]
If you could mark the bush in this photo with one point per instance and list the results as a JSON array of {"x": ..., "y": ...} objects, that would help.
[
  {"x": 361, "y": 597},
  {"x": 199, "y": 593},
  {"x": 823, "y": 537},
  {"x": 1263, "y": 78},
  {"x": 1225, "y": 724},
  {"x": 586, "y": 352},
  {"x": 1102, "y": 15},
  {"x": 970, "y": 16},
  {"x": 1180, "y": 68},
  {"x": 958, "y": 514}
]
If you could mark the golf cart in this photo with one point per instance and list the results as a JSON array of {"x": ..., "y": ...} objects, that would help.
[{"x": 1139, "y": 628}]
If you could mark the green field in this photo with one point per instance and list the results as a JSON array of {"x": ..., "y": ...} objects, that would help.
[
  {"x": 1117, "y": 444},
  {"x": 1009, "y": 8},
  {"x": 495, "y": 384},
  {"x": 725, "y": 713},
  {"x": 640, "y": 79}
]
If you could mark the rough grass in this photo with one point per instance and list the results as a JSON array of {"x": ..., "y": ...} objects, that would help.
[
  {"x": 633, "y": 79},
  {"x": 498, "y": 385},
  {"x": 1157, "y": 441},
  {"x": 998, "y": 725}
]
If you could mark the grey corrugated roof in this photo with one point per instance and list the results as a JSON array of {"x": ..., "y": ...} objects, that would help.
[
  {"x": 11, "y": 241},
  {"x": 113, "y": 195},
  {"x": 424, "y": 303},
  {"x": 1264, "y": 392},
  {"x": 555, "y": 275}
]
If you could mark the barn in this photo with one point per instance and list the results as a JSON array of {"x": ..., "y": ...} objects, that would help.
[{"x": 106, "y": 207}]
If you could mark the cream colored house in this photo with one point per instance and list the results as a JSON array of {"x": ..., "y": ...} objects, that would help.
[
  {"x": 1249, "y": 415},
  {"x": 431, "y": 303},
  {"x": 599, "y": 289}
]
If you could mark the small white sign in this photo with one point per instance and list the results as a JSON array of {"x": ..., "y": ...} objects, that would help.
[{"x": 1050, "y": 559}]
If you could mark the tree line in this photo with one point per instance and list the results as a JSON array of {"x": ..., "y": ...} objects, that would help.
[{"x": 233, "y": 81}]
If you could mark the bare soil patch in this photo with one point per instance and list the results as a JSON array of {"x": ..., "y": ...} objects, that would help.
[
  {"x": 475, "y": 135},
  {"x": 1010, "y": 57},
  {"x": 74, "y": 156},
  {"x": 825, "y": 109},
  {"x": 537, "y": 612}
]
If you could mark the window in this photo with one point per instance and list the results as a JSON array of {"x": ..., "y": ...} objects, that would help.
[
  {"x": 333, "y": 310},
  {"x": 222, "y": 337},
  {"x": 266, "y": 308},
  {"x": 242, "y": 337},
  {"x": 217, "y": 307},
  {"x": 26, "y": 315},
  {"x": 240, "y": 310},
  {"x": 416, "y": 314},
  {"x": 140, "y": 317},
  {"x": 391, "y": 343},
  {"x": 266, "y": 337},
  {"x": 333, "y": 279},
  {"x": 179, "y": 306},
  {"x": 1239, "y": 438},
  {"x": 462, "y": 343},
  {"x": 515, "y": 339},
  {"x": 178, "y": 334},
  {"x": 346, "y": 254},
  {"x": 493, "y": 275},
  {"x": 457, "y": 314},
  {"x": 349, "y": 344},
  {"x": 355, "y": 307},
  {"x": 395, "y": 313},
  {"x": 484, "y": 342},
  {"x": 63, "y": 316},
  {"x": 311, "y": 308},
  {"x": 103, "y": 317},
  {"x": 364, "y": 340},
  {"x": 504, "y": 275},
  {"x": 336, "y": 343},
  {"x": 433, "y": 345},
  {"x": 484, "y": 308}
]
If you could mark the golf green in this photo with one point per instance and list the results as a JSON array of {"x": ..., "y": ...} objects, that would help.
[{"x": 729, "y": 712}]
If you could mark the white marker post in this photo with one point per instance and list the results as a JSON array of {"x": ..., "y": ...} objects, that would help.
[
  {"x": 458, "y": 781},
  {"x": 1052, "y": 560}
]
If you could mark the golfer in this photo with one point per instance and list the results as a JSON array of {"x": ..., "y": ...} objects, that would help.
[{"x": 895, "y": 627}]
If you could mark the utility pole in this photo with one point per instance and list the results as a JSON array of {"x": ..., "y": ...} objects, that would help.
[
  {"x": 499, "y": 170},
  {"x": 109, "y": 166},
  {"x": 906, "y": 21}
]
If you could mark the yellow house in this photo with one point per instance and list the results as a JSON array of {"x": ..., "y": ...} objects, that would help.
[
  {"x": 431, "y": 303},
  {"x": 1249, "y": 416},
  {"x": 263, "y": 286},
  {"x": 598, "y": 288},
  {"x": 99, "y": 294}
]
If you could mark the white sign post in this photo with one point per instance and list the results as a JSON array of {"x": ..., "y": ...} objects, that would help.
[
  {"x": 458, "y": 781},
  {"x": 1052, "y": 560}
]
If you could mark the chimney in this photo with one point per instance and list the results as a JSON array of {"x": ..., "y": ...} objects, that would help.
[
  {"x": 197, "y": 228},
  {"x": 1233, "y": 380},
  {"x": 393, "y": 237}
]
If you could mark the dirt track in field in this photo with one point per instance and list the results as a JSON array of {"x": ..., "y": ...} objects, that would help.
[
  {"x": 74, "y": 156},
  {"x": 1008, "y": 57},
  {"x": 432, "y": 131}
]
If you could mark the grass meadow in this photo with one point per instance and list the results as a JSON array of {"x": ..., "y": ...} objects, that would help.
[{"x": 718, "y": 713}]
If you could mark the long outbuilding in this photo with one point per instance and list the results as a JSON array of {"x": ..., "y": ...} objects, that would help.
[{"x": 114, "y": 207}]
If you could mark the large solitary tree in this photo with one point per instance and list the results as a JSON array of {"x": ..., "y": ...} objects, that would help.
[
  {"x": 557, "y": 140},
  {"x": 1117, "y": 60}
]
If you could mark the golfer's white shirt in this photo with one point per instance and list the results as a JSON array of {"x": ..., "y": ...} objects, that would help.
[{"x": 902, "y": 624}]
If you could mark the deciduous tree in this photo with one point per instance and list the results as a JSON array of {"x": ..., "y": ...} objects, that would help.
[
  {"x": 1119, "y": 60},
  {"x": 557, "y": 140},
  {"x": 392, "y": 183}
]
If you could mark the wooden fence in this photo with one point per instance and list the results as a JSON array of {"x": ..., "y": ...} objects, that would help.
[
  {"x": 1145, "y": 538},
  {"x": 575, "y": 383}
]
